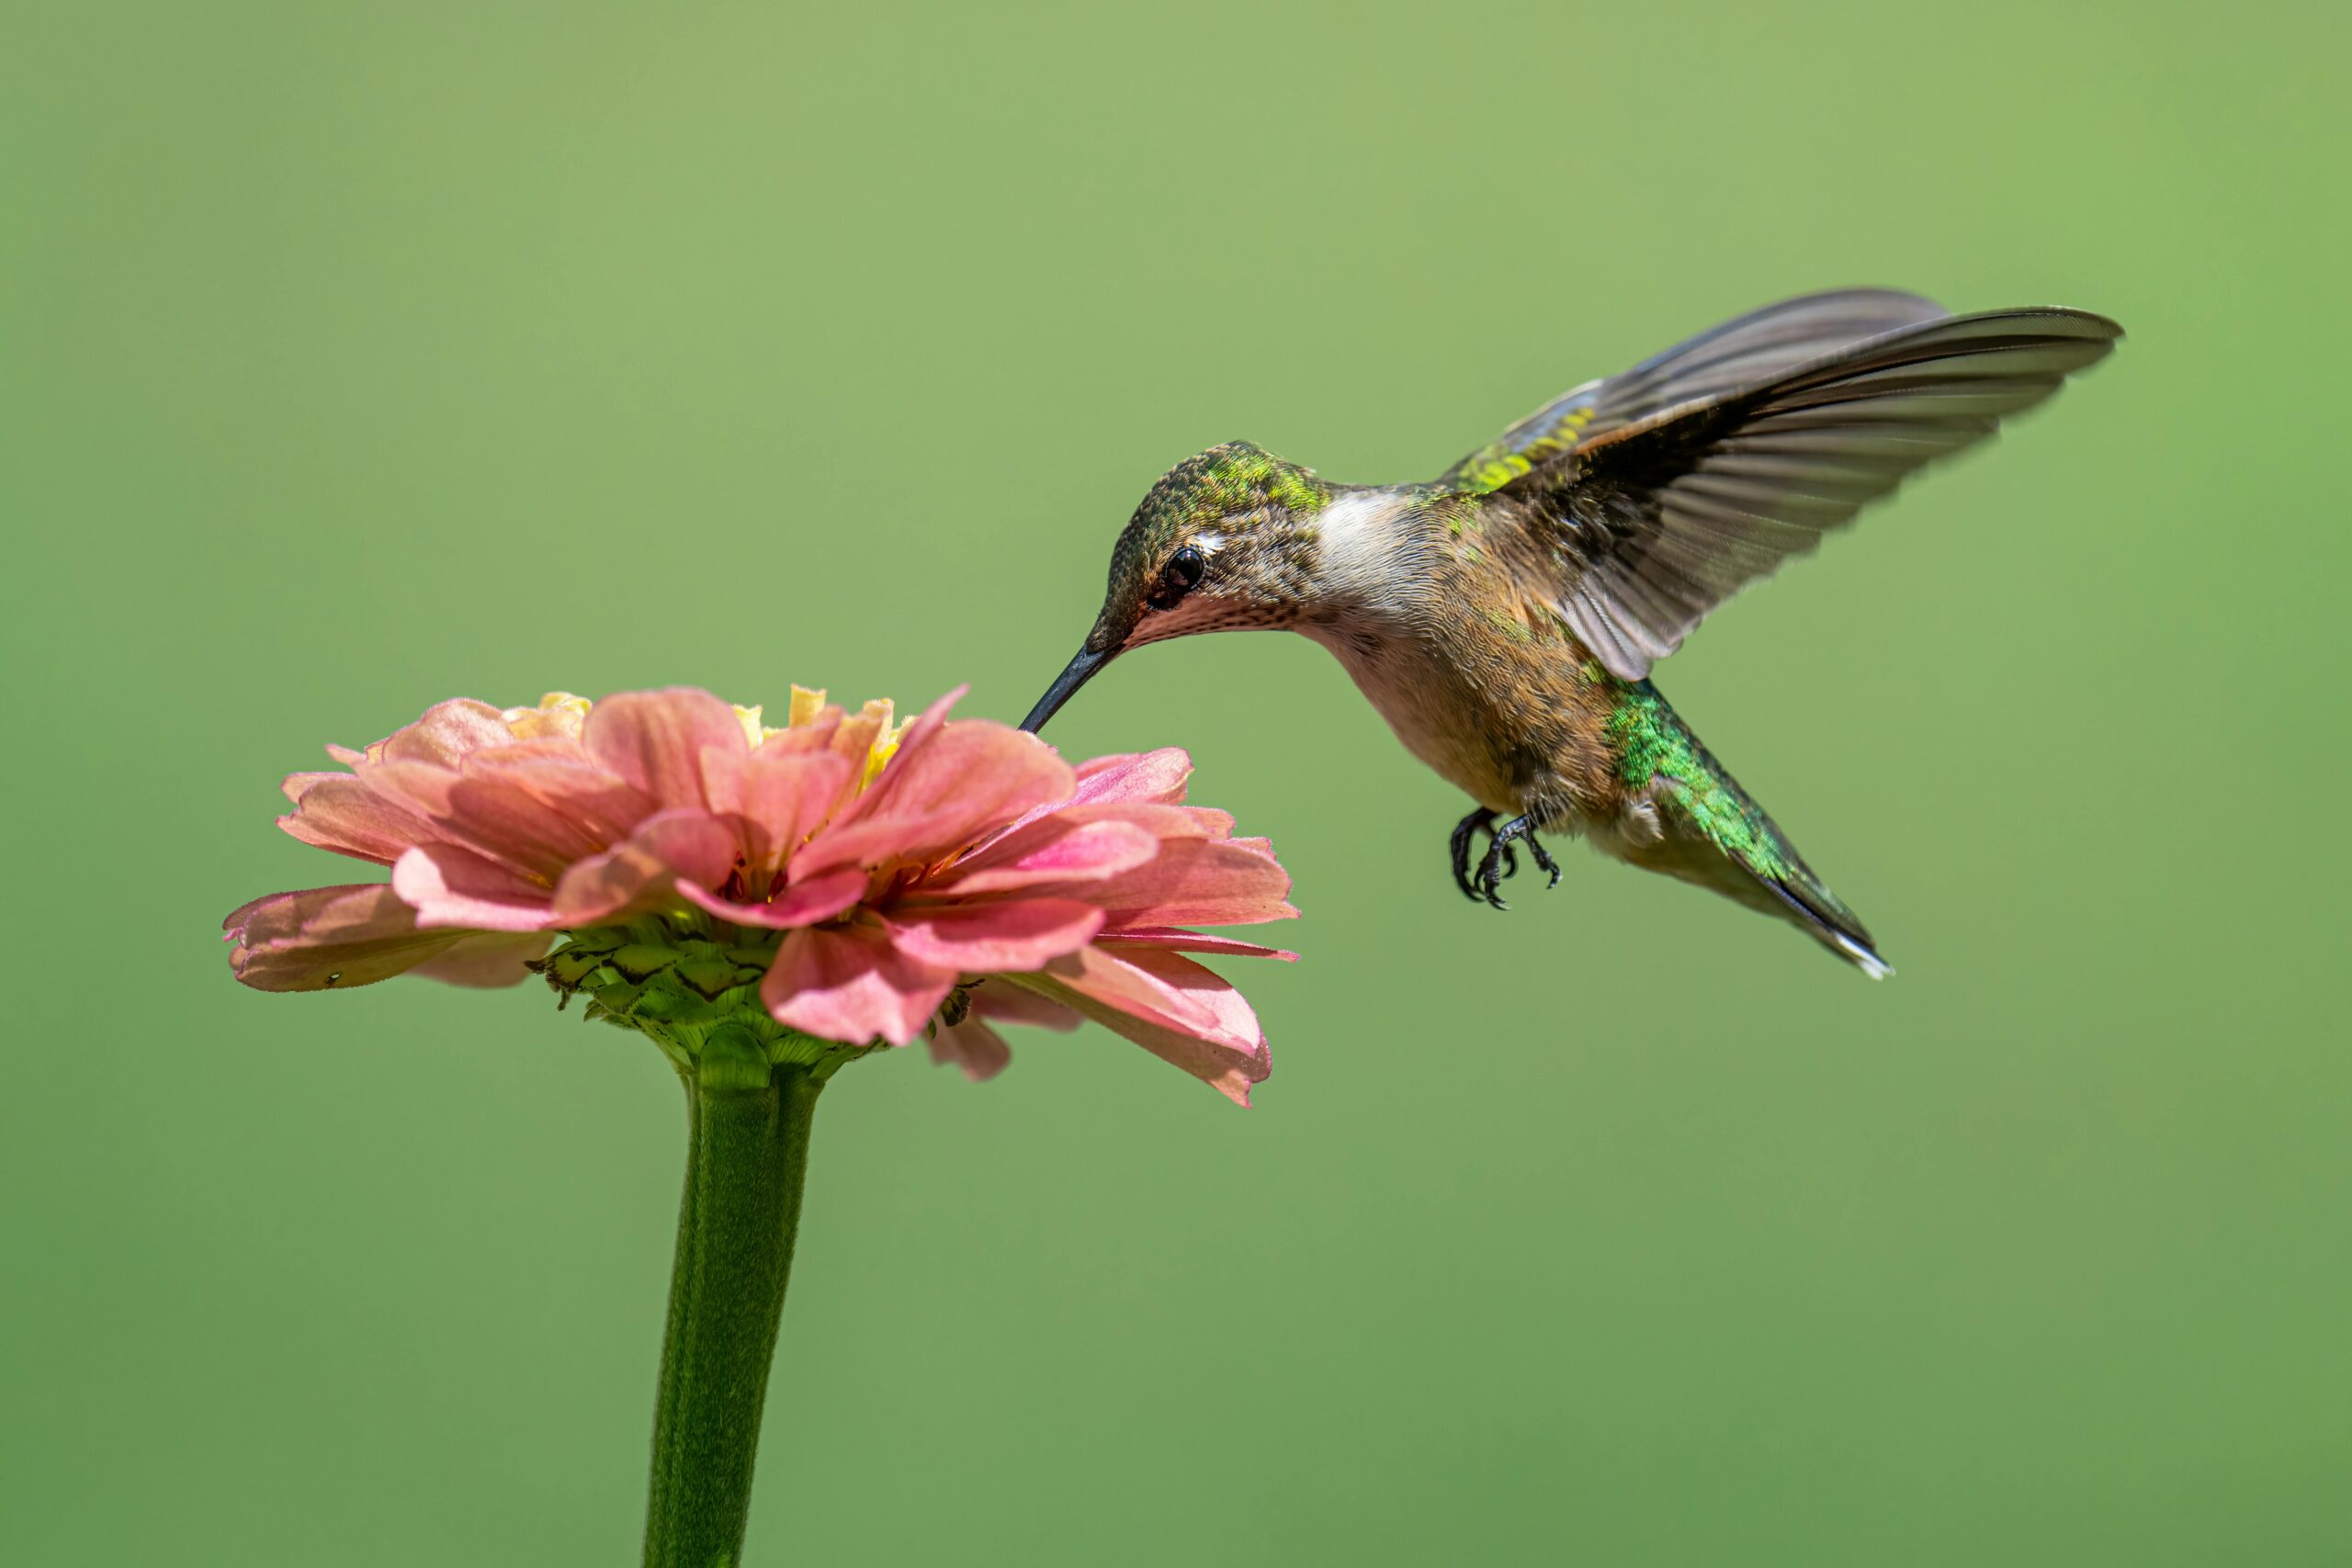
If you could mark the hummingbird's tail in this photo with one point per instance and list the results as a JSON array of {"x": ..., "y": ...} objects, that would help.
[{"x": 1687, "y": 816}]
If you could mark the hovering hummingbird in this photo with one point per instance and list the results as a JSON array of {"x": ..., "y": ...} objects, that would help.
[{"x": 1504, "y": 617}]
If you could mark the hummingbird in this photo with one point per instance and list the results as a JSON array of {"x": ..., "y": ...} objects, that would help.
[{"x": 1504, "y": 617}]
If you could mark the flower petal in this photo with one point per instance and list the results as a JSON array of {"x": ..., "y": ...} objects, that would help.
[
  {"x": 1004, "y": 1002},
  {"x": 557, "y": 715},
  {"x": 973, "y": 1046},
  {"x": 848, "y": 983},
  {"x": 917, "y": 732},
  {"x": 445, "y": 734},
  {"x": 496, "y": 812},
  {"x": 669, "y": 851},
  {"x": 802, "y": 904},
  {"x": 1144, "y": 778},
  {"x": 1155, "y": 778},
  {"x": 813, "y": 733},
  {"x": 604, "y": 809},
  {"x": 1209, "y": 882},
  {"x": 654, "y": 740},
  {"x": 994, "y": 937},
  {"x": 855, "y": 740},
  {"x": 1052, "y": 849},
  {"x": 1175, "y": 940},
  {"x": 325, "y": 937},
  {"x": 1165, "y": 987},
  {"x": 448, "y": 886},
  {"x": 1182, "y": 1013},
  {"x": 492, "y": 959},
  {"x": 942, "y": 790},
  {"x": 786, "y": 798},
  {"x": 347, "y": 815}
]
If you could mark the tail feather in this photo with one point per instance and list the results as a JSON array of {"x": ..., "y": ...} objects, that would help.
[{"x": 1698, "y": 824}]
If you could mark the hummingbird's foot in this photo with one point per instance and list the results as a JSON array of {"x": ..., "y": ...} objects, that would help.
[
  {"x": 1463, "y": 832},
  {"x": 1500, "y": 862}
]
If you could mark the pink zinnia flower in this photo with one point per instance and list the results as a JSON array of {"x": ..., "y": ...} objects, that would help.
[{"x": 875, "y": 883}]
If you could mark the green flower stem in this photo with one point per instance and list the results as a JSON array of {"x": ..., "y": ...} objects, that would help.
[{"x": 747, "y": 1153}]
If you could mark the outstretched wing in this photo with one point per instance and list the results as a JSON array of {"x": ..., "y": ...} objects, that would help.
[
  {"x": 1652, "y": 497},
  {"x": 1741, "y": 353}
]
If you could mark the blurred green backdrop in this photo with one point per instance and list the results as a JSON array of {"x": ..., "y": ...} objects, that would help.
[{"x": 359, "y": 356}]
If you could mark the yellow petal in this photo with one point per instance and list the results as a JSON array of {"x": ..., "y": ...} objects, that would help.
[
  {"x": 559, "y": 713},
  {"x": 886, "y": 738},
  {"x": 805, "y": 706},
  {"x": 748, "y": 718}
]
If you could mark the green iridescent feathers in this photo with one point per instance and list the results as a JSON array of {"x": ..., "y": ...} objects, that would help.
[
  {"x": 1236, "y": 479},
  {"x": 1259, "y": 506},
  {"x": 1552, "y": 432},
  {"x": 1739, "y": 849}
]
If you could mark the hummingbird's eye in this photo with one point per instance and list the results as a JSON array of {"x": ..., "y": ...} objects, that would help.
[{"x": 1177, "y": 579}]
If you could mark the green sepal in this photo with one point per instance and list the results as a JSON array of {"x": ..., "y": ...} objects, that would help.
[{"x": 698, "y": 998}]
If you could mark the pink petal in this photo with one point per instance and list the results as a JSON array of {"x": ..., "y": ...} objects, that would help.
[
  {"x": 451, "y": 886},
  {"x": 1005, "y": 1002},
  {"x": 496, "y": 823},
  {"x": 669, "y": 849},
  {"x": 490, "y": 960},
  {"x": 1160, "y": 821},
  {"x": 855, "y": 740},
  {"x": 1163, "y": 987},
  {"x": 970, "y": 776},
  {"x": 1151, "y": 777},
  {"x": 816, "y": 735},
  {"x": 788, "y": 797},
  {"x": 848, "y": 983},
  {"x": 1145, "y": 778},
  {"x": 654, "y": 740},
  {"x": 1169, "y": 1006},
  {"x": 322, "y": 937},
  {"x": 602, "y": 808},
  {"x": 499, "y": 813},
  {"x": 445, "y": 734},
  {"x": 1174, "y": 940},
  {"x": 1051, "y": 850},
  {"x": 721, "y": 781},
  {"x": 973, "y": 1046},
  {"x": 803, "y": 904},
  {"x": 919, "y": 731},
  {"x": 996, "y": 936},
  {"x": 293, "y": 784},
  {"x": 1210, "y": 882},
  {"x": 338, "y": 812},
  {"x": 531, "y": 749}
]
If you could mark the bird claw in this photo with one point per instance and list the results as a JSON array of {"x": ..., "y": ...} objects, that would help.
[
  {"x": 1501, "y": 862},
  {"x": 1463, "y": 831}
]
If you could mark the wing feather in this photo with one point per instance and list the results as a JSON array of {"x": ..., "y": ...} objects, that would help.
[
  {"x": 1740, "y": 353},
  {"x": 1655, "y": 495}
]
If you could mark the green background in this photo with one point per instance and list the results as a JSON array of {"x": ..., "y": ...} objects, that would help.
[{"x": 361, "y": 355}]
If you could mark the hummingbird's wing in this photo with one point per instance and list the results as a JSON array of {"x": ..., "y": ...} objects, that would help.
[{"x": 1652, "y": 497}]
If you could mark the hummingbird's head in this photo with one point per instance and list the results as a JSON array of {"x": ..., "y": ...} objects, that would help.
[{"x": 1224, "y": 542}]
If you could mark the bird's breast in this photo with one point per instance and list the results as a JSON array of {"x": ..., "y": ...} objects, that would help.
[
  {"x": 1446, "y": 720},
  {"x": 1478, "y": 679}
]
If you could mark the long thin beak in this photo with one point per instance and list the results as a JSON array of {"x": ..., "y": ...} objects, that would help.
[{"x": 1066, "y": 685}]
